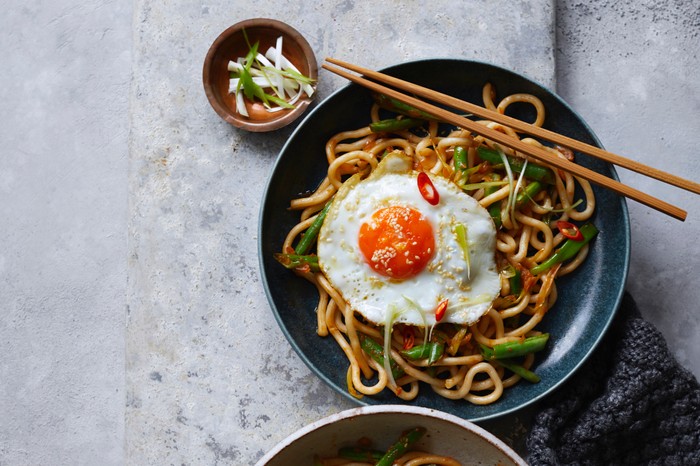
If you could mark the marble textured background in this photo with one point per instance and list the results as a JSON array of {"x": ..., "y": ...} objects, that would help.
[{"x": 133, "y": 308}]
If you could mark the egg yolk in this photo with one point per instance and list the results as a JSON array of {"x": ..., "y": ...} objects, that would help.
[{"x": 397, "y": 242}]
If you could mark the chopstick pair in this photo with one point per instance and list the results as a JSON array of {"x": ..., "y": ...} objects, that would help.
[{"x": 516, "y": 144}]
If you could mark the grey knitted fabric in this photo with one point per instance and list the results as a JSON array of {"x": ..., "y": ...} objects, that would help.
[{"x": 630, "y": 404}]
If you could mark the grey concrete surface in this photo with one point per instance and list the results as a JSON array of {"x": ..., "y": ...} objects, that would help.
[
  {"x": 631, "y": 70},
  {"x": 120, "y": 230},
  {"x": 64, "y": 84},
  {"x": 203, "y": 385}
]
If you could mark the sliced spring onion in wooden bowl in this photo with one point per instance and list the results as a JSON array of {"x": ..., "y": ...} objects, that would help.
[{"x": 260, "y": 75}]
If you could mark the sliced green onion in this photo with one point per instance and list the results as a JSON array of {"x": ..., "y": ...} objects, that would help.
[
  {"x": 420, "y": 313},
  {"x": 509, "y": 172},
  {"x": 513, "y": 199},
  {"x": 461, "y": 233},
  {"x": 388, "y": 324},
  {"x": 252, "y": 74},
  {"x": 483, "y": 184}
]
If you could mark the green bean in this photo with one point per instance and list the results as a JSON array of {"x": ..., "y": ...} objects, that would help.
[
  {"x": 519, "y": 370},
  {"x": 528, "y": 193},
  {"x": 460, "y": 158},
  {"x": 394, "y": 124},
  {"x": 495, "y": 208},
  {"x": 431, "y": 350},
  {"x": 511, "y": 365},
  {"x": 514, "y": 349},
  {"x": 360, "y": 454},
  {"x": 295, "y": 261},
  {"x": 567, "y": 250},
  {"x": 375, "y": 351},
  {"x": 309, "y": 237},
  {"x": 532, "y": 170},
  {"x": 516, "y": 282},
  {"x": 406, "y": 440},
  {"x": 394, "y": 105}
]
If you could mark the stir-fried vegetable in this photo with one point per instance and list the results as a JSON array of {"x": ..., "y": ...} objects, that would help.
[
  {"x": 504, "y": 353},
  {"x": 427, "y": 189},
  {"x": 360, "y": 454},
  {"x": 406, "y": 440},
  {"x": 532, "y": 170},
  {"x": 569, "y": 230},
  {"x": 514, "y": 349},
  {"x": 303, "y": 262},
  {"x": 511, "y": 365},
  {"x": 568, "y": 250},
  {"x": 515, "y": 280},
  {"x": 394, "y": 124},
  {"x": 432, "y": 351},
  {"x": 394, "y": 105},
  {"x": 460, "y": 158},
  {"x": 528, "y": 192},
  {"x": 375, "y": 351},
  {"x": 309, "y": 237}
]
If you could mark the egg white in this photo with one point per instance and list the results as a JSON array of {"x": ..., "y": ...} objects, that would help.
[{"x": 470, "y": 288}]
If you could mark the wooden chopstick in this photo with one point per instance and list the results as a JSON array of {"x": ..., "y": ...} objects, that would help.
[
  {"x": 524, "y": 127},
  {"x": 516, "y": 144}
]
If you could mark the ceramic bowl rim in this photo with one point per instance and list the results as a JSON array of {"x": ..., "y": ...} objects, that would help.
[{"x": 392, "y": 409}]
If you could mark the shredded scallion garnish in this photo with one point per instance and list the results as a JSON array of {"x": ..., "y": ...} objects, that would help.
[
  {"x": 512, "y": 200},
  {"x": 463, "y": 241},
  {"x": 511, "y": 183},
  {"x": 420, "y": 313},
  {"x": 251, "y": 76},
  {"x": 388, "y": 324},
  {"x": 483, "y": 184}
]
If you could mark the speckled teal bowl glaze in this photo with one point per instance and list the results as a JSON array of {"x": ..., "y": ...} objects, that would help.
[{"x": 588, "y": 299}]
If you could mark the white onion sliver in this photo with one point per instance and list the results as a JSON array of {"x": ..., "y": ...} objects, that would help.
[
  {"x": 234, "y": 66},
  {"x": 260, "y": 57},
  {"x": 240, "y": 104},
  {"x": 282, "y": 85},
  {"x": 278, "y": 66}
]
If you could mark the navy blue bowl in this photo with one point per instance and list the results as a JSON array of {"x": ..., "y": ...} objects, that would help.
[{"x": 588, "y": 299}]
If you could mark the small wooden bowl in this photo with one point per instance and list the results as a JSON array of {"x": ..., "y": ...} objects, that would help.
[{"x": 232, "y": 44}]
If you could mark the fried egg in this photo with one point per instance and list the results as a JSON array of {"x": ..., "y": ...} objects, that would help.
[{"x": 394, "y": 257}]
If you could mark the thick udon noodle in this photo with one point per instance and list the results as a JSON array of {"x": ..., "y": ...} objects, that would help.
[{"x": 527, "y": 237}]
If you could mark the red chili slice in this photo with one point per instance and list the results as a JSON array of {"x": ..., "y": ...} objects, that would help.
[
  {"x": 409, "y": 337},
  {"x": 440, "y": 311},
  {"x": 427, "y": 189},
  {"x": 569, "y": 230}
]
